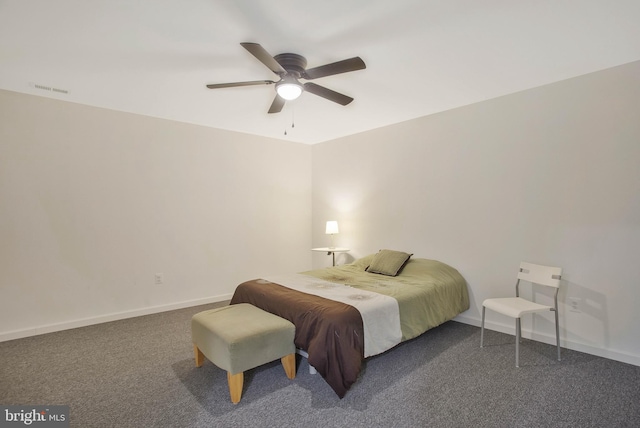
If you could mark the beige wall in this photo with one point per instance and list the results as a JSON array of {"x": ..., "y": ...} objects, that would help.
[
  {"x": 94, "y": 203},
  {"x": 550, "y": 175}
]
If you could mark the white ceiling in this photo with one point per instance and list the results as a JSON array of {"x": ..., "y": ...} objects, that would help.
[{"x": 423, "y": 56}]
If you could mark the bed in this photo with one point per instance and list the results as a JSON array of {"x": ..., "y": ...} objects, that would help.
[{"x": 346, "y": 313}]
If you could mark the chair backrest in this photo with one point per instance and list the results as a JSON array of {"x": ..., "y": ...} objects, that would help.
[{"x": 544, "y": 275}]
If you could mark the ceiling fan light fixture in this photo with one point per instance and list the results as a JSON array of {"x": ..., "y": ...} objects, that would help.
[{"x": 289, "y": 88}]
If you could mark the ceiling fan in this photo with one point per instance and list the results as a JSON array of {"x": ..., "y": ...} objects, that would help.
[{"x": 290, "y": 68}]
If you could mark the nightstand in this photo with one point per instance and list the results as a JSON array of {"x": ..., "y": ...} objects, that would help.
[{"x": 331, "y": 251}]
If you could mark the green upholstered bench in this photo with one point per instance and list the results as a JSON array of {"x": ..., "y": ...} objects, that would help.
[{"x": 239, "y": 337}]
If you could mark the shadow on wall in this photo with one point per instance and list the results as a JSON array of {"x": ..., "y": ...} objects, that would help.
[
  {"x": 587, "y": 309},
  {"x": 344, "y": 258}
]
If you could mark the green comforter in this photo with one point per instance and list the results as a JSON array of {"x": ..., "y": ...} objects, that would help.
[{"x": 428, "y": 292}]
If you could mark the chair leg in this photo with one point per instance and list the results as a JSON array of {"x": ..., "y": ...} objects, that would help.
[
  {"x": 557, "y": 334},
  {"x": 289, "y": 364},
  {"x": 518, "y": 334},
  {"x": 236, "y": 382},
  {"x": 482, "y": 329}
]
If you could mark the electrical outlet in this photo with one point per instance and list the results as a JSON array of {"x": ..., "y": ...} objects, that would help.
[
  {"x": 159, "y": 279},
  {"x": 574, "y": 304}
]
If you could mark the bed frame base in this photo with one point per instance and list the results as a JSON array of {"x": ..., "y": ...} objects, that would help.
[{"x": 312, "y": 370}]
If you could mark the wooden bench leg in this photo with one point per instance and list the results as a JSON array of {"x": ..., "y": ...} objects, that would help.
[
  {"x": 199, "y": 355},
  {"x": 235, "y": 386},
  {"x": 289, "y": 364}
]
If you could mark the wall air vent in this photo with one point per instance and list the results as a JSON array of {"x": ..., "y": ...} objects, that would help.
[{"x": 48, "y": 88}]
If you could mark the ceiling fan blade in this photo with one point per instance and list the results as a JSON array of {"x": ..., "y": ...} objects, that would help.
[
  {"x": 323, "y": 92},
  {"x": 344, "y": 66},
  {"x": 233, "y": 85},
  {"x": 277, "y": 104},
  {"x": 264, "y": 57}
]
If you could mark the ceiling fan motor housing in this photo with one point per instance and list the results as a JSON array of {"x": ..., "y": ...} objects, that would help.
[{"x": 294, "y": 64}]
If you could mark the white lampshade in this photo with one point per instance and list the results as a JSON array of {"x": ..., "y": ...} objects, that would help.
[
  {"x": 332, "y": 228},
  {"x": 289, "y": 88}
]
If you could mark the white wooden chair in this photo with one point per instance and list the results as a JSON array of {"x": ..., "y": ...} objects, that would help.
[{"x": 515, "y": 307}]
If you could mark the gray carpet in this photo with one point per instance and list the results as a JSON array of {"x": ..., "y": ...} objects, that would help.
[{"x": 140, "y": 373}]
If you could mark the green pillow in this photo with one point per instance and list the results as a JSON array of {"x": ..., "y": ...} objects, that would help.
[{"x": 388, "y": 262}]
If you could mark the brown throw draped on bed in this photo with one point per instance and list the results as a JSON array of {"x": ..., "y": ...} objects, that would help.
[{"x": 330, "y": 332}]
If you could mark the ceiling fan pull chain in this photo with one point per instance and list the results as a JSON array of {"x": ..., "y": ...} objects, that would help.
[{"x": 293, "y": 125}]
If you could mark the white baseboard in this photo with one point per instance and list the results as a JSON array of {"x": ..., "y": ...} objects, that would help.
[
  {"x": 551, "y": 340},
  {"x": 507, "y": 329},
  {"x": 50, "y": 328}
]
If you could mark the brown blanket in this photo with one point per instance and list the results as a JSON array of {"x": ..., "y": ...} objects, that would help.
[{"x": 330, "y": 332}]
